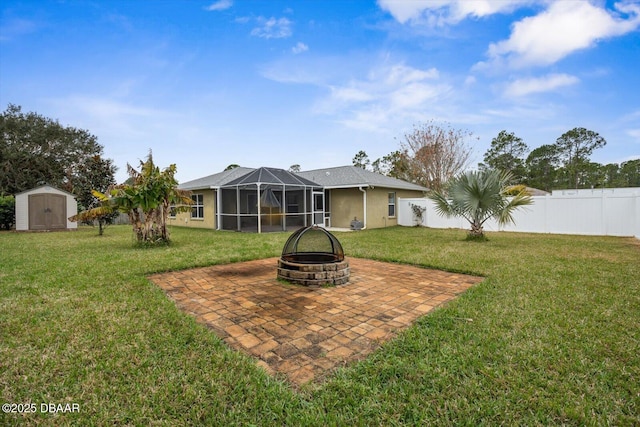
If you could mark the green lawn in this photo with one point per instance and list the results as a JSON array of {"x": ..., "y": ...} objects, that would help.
[{"x": 552, "y": 336}]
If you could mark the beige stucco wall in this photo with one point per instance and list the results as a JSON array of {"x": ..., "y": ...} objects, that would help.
[
  {"x": 209, "y": 221},
  {"x": 345, "y": 205},
  {"x": 348, "y": 203}
]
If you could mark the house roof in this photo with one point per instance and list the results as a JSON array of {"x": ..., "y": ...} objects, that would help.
[
  {"x": 216, "y": 180},
  {"x": 272, "y": 176},
  {"x": 353, "y": 176},
  {"x": 336, "y": 177}
]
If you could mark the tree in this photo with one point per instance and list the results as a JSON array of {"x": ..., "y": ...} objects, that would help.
[
  {"x": 630, "y": 173},
  {"x": 147, "y": 198},
  {"x": 506, "y": 154},
  {"x": 594, "y": 175},
  {"x": 294, "y": 168},
  {"x": 394, "y": 165},
  {"x": 361, "y": 160},
  {"x": 99, "y": 175},
  {"x": 478, "y": 196},
  {"x": 231, "y": 166},
  {"x": 435, "y": 154},
  {"x": 542, "y": 164},
  {"x": 35, "y": 150},
  {"x": 575, "y": 148},
  {"x": 612, "y": 176}
]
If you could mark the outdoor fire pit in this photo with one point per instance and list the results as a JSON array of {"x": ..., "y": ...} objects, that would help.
[{"x": 313, "y": 256}]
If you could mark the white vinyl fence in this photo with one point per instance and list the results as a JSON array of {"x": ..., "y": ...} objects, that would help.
[{"x": 608, "y": 212}]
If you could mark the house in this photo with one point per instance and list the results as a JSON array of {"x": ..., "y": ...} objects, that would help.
[
  {"x": 270, "y": 199},
  {"x": 369, "y": 197},
  {"x": 45, "y": 208}
]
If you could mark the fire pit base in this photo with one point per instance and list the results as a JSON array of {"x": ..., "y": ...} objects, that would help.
[{"x": 332, "y": 273}]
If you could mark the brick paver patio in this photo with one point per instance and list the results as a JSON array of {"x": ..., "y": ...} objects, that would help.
[{"x": 304, "y": 332}]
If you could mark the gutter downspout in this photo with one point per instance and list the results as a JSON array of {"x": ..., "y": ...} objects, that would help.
[{"x": 364, "y": 205}]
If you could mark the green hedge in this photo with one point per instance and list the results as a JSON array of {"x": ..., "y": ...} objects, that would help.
[{"x": 7, "y": 212}]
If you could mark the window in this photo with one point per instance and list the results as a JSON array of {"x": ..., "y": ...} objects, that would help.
[
  {"x": 392, "y": 205},
  {"x": 172, "y": 211},
  {"x": 197, "y": 208}
]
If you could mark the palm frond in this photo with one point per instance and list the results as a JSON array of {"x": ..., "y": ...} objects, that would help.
[
  {"x": 92, "y": 214},
  {"x": 479, "y": 196},
  {"x": 443, "y": 206}
]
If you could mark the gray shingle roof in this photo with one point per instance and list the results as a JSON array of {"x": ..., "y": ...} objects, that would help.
[
  {"x": 337, "y": 177},
  {"x": 215, "y": 180},
  {"x": 353, "y": 176}
]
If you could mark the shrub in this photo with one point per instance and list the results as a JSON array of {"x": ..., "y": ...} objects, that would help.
[
  {"x": 7, "y": 212},
  {"x": 418, "y": 214}
]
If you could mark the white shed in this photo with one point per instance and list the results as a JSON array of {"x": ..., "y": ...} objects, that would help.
[{"x": 45, "y": 208}]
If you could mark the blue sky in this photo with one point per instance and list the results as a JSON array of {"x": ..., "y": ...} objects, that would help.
[{"x": 273, "y": 83}]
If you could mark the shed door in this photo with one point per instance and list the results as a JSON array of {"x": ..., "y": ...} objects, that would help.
[{"x": 47, "y": 212}]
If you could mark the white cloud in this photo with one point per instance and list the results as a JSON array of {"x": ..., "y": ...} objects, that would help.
[
  {"x": 350, "y": 94},
  {"x": 441, "y": 12},
  {"x": 387, "y": 94},
  {"x": 299, "y": 48},
  {"x": 219, "y": 5},
  {"x": 401, "y": 74},
  {"x": 405, "y": 10},
  {"x": 272, "y": 28},
  {"x": 565, "y": 27},
  {"x": 413, "y": 95},
  {"x": 522, "y": 87},
  {"x": 317, "y": 71},
  {"x": 470, "y": 81},
  {"x": 108, "y": 116}
]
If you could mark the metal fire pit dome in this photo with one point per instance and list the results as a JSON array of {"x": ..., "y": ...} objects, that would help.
[{"x": 312, "y": 245}]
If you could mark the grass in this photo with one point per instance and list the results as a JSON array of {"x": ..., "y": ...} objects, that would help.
[{"x": 550, "y": 337}]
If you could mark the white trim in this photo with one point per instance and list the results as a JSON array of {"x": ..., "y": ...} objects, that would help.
[
  {"x": 218, "y": 209},
  {"x": 395, "y": 204},
  {"x": 196, "y": 206},
  {"x": 314, "y": 208},
  {"x": 259, "y": 209}
]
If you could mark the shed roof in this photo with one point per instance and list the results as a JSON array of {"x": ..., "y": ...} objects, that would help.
[
  {"x": 353, "y": 176},
  {"x": 46, "y": 186}
]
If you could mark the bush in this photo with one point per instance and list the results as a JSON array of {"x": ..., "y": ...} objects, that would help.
[
  {"x": 7, "y": 212},
  {"x": 418, "y": 214}
]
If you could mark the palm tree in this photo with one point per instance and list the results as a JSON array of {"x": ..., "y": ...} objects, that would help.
[
  {"x": 146, "y": 198},
  {"x": 478, "y": 196}
]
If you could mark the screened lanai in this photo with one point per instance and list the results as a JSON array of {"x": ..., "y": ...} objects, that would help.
[{"x": 269, "y": 199}]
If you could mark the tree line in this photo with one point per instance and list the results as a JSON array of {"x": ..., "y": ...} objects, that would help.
[
  {"x": 432, "y": 154},
  {"x": 36, "y": 150}
]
